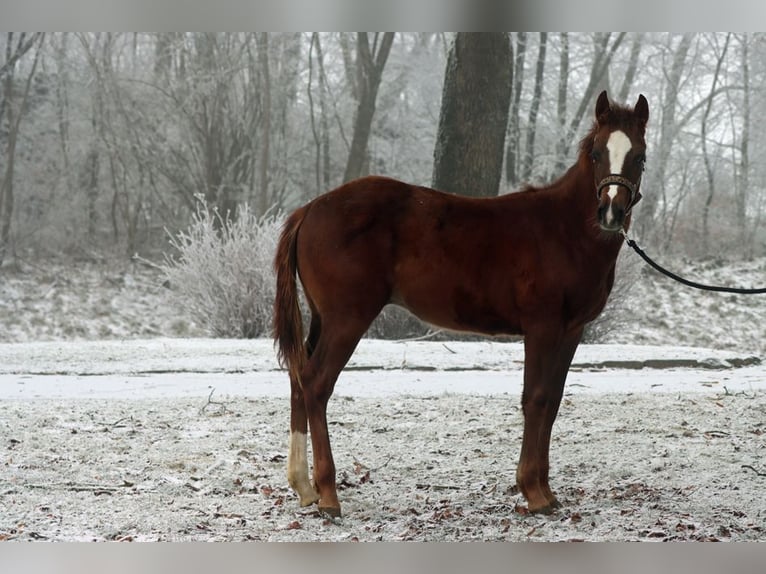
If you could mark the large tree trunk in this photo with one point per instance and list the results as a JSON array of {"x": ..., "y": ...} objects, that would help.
[
  {"x": 370, "y": 63},
  {"x": 468, "y": 157}
]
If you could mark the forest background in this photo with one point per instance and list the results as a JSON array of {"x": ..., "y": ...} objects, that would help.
[{"x": 113, "y": 144}]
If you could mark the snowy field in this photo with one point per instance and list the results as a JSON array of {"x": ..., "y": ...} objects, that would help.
[
  {"x": 113, "y": 427},
  {"x": 184, "y": 439}
]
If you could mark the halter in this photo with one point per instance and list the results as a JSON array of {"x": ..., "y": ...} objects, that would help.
[{"x": 615, "y": 179}]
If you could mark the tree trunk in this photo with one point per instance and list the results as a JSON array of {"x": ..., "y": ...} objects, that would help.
[
  {"x": 324, "y": 122},
  {"x": 743, "y": 174},
  {"x": 561, "y": 109},
  {"x": 514, "y": 130},
  {"x": 630, "y": 72},
  {"x": 468, "y": 157},
  {"x": 349, "y": 66},
  {"x": 370, "y": 61},
  {"x": 13, "y": 119},
  {"x": 601, "y": 61},
  {"x": 655, "y": 184},
  {"x": 320, "y": 133},
  {"x": 263, "y": 64},
  {"x": 89, "y": 183},
  {"x": 705, "y": 156},
  {"x": 529, "y": 154}
]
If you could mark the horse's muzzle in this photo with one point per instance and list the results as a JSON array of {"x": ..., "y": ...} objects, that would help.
[{"x": 611, "y": 217}]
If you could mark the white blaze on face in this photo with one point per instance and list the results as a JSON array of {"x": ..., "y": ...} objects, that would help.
[{"x": 618, "y": 145}]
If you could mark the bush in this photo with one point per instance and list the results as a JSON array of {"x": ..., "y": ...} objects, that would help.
[
  {"x": 223, "y": 272},
  {"x": 617, "y": 313}
]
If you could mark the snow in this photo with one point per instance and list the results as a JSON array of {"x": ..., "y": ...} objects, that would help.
[
  {"x": 651, "y": 443},
  {"x": 168, "y": 368},
  {"x": 114, "y": 428}
]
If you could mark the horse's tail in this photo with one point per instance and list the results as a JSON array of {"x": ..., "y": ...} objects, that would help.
[{"x": 288, "y": 323}]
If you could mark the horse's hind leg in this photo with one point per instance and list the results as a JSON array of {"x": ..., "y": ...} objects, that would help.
[
  {"x": 336, "y": 345},
  {"x": 297, "y": 460}
]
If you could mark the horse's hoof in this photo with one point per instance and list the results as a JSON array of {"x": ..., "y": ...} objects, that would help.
[
  {"x": 308, "y": 500},
  {"x": 548, "y": 508},
  {"x": 331, "y": 512}
]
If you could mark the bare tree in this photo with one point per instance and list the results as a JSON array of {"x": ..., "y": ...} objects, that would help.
[
  {"x": 370, "y": 61},
  {"x": 322, "y": 132},
  {"x": 603, "y": 54},
  {"x": 561, "y": 108},
  {"x": 12, "y": 109},
  {"x": 526, "y": 166},
  {"x": 513, "y": 149},
  {"x": 630, "y": 72},
  {"x": 264, "y": 68},
  {"x": 655, "y": 183},
  {"x": 742, "y": 182},
  {"x": 705, "y": 155}
]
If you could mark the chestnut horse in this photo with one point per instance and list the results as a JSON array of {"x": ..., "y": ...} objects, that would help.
[{"x": 539, "y": 263}]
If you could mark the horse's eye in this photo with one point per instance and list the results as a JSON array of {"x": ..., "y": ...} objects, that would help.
[
  {"x": 640, "y": 159},
  {"x": 595, "y": 155}
]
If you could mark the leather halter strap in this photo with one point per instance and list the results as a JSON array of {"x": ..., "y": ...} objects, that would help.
[{"x": 616, "y": 179}]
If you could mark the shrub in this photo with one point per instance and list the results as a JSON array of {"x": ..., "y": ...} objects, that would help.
[
  {"x": 223, "y": 272},
  {"x": 617, "y": 313}
]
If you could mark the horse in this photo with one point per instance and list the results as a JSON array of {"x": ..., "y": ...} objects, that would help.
[{"x": 539, "y": 263}]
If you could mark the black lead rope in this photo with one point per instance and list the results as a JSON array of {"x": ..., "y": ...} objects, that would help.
[{"x": 672, "y": 275}]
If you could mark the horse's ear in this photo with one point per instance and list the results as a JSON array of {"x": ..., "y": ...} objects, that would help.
[
  {"x": 602, "y": 106},
  {"x": 642, "y": 109}
]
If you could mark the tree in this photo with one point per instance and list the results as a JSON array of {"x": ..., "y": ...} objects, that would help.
[
  {"x": 12, "y": 109},
  {"x": 602, "y": 58},
  {"x": 561, "y": 108},
  {"x": 264, "y": 68},
  {"x": 705, "y": 155},
  {"x": 370, "y": 61},
  {"x": 322, "y": 133},
  {"x": 655, "y": 182},
  {"x": 514, "y": 130},
  {"x": 526, "y": 167},
  {"x": 630, "y": 72},
  {"x": 468, "y": 156},
  {"x": 742, "y": 182}
]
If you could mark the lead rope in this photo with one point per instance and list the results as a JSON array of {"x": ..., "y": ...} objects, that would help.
[{"x": 686, "y": 282}]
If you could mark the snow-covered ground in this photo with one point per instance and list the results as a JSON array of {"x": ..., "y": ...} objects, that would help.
[
  {"x": 114, "y": 428},
  {"x": 185, "y": 368}
]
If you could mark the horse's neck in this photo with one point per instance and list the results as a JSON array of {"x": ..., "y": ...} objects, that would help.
[{"x": 578, "y": 186}]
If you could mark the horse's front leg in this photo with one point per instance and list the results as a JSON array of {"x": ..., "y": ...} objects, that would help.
[{"x": 548, "y": 355}]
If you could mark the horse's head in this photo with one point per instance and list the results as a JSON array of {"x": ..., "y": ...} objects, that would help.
[{"x": 618, "y": 156}]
